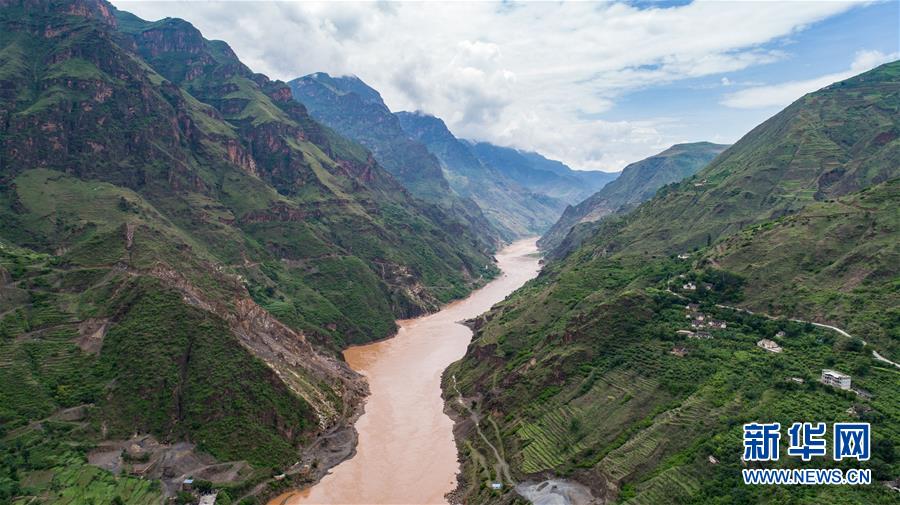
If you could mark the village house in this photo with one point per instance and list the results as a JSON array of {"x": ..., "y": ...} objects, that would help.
[
  {"x": 684, "y": 256},
  {"x": 689, "y": 333},
  {"x": 208, "y": 499},
  {"x": 701, "y": 334},
  {"x": 769, "y": 345},
  {"x": 836, "y": 379},
  {"x": 679, "y": 351},
  {"x": 690, "y": 286},
  {"x": 713, "y": 323},
  {"x": 779, "y": 334},
  {"x": 697, "y": 323}
]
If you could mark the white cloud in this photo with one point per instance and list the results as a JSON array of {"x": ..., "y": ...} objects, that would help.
[
  {"x": 532, "y": 75},
  {"x": 780, "y": 95}
]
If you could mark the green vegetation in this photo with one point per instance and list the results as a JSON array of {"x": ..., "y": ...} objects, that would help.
[
  {"x": 356, "y": 111},
  {"x": 591, "y": 374},
  {"x": 638, "y": 183},
  {"x": 160, "y": 204},
  {"x": 515, "y": 210}
]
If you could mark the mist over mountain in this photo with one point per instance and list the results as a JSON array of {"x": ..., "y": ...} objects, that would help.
[
  {"x": 516, "y": 209},
  {"x": 521, "y": 193}
]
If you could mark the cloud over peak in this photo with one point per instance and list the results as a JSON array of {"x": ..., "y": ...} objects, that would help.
[{"x": 538, "y": 76}]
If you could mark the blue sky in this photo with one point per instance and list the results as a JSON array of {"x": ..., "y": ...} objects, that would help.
[
  {"x": 596, "y": 85},
  {"x": 827, "y": 47}
]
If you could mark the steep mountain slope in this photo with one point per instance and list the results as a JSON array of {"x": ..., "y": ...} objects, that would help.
[
  {"x": 513, "y": 209},
  {"x": 637, "y": 183},
  {"x": 541, "y": 175},
  {"x": 357, "y": 111},
  {"x": 601, "y": 371},
  {"x": 838, "y": 140},
  {"x": 836, "y": 260},
  {"x": 183, "y": 251}
]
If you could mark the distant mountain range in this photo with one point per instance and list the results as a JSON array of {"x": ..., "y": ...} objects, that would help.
[
  {"x": 638, "y": 183},
  {"x": 521, "y": 193},
  {"x": 357, "y": 111}
]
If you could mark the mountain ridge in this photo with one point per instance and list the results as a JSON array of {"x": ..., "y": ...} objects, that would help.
[
  {"x": 184, "y": 252},
  {"x": 637, "y": 183},
  {"x": 630, "y": 363},
  {"x": 518, "y": 211}
]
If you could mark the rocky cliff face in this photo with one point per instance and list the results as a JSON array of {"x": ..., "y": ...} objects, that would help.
[
  {"x": 217, "y": 245},
  {"x": 357, "y": 111}
]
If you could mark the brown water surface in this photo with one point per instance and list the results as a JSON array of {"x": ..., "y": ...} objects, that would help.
[{"x": 406, "y": 453}]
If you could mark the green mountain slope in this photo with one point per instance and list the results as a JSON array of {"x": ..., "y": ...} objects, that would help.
[
  {"x": 357, "y": 111},
  {"x": 637, "y": 184},
  {"x": 594, "y": 373},
  {"x": 838, "y": 140},
  {"x": 514, "y": 210},
  {"x": 183, "y": 252},
  {"x": 836, "y": 260}
]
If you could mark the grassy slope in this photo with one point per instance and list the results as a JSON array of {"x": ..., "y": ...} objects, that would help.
[
  {"x": 832, "y": 142},
  {"x": 833, "y": 261},
  {"x": 575, "y": 368}
]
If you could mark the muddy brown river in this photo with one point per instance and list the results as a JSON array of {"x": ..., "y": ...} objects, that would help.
[{"x": 406, "y": 453}]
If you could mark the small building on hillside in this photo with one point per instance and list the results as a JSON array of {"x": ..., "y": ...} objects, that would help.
[
  {"x": 690, "y": 286},
  {"x": 496, "y": 485},
  {"x": 779, "y": 334},
  {"x": 836, "y": 379},
  {"x": 208, "y": 499},
  {"x": 679, "y": 351},
  {"x": 714, "y": 323},
  {"x": 684, "y": 256},
  {"x": 701, "y": 334},
  {"x": 769, "y": 345}
]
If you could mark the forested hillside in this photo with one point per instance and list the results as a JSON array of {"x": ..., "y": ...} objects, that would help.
[
  {"x": 629, "y": 365},
  {"x": 183, "y": 252}
]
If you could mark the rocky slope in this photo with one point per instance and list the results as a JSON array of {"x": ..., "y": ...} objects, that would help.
[
  {"x": 601, "y": 371},
  {"x": 637, "y": 183},
  {"x": 355, "y": 110},
  {"x": 183, "y": 252},
  {"x": 512, "y": 208}
]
